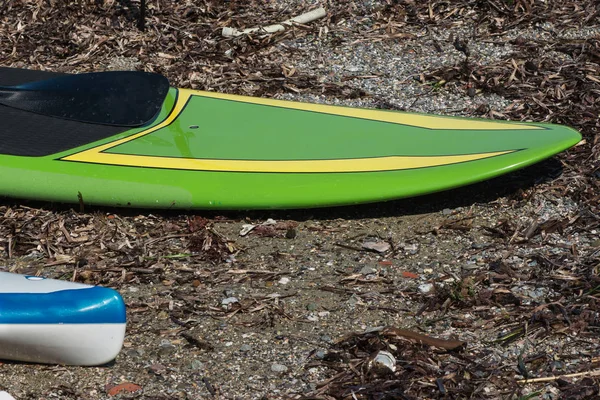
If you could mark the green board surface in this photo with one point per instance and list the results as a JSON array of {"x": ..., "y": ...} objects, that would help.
[{"x": 216, "y": 151}]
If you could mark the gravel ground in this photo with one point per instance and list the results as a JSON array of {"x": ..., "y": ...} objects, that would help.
[{"x": 296, "y": 308}]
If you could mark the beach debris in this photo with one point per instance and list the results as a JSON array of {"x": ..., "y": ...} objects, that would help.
[
  {"x": 384, "y": 363},
  {"x": 377, "y": 246},
  {"x": 409, "y": 275},
  {"x": 300, "y": 19},
  {"x": 247, "y": 228},
  {"x": 271, "y": 228},
  {"x": 447, "y": 344},
  {"x": 126, "y": 387}
]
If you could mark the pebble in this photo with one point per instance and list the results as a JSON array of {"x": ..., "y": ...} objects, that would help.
[
  {"x": 531, "y": 292},
  {"x": 326, "y": 338},
  {"x": 312, "y": 306},
  {"x": 426, "y": 288},
  {"x": 368, "y": 270},
  {"x": 380, "y": 247},
  {"x": 279, "y": 368},
  {"x": 245, "y": 348},
  {"x": 312, "y": 318},
  {"x": 412, "y": 249},
  {"x": 229, "y": 300},
  {"x": 196, "y": 365},
  {"x": 284, "y": 281},
  {"x": 166, "y": 348},
  {"x": 320, "y": 354},
  {"x": 353, "y": 301},
  {"x": 134, "y": 353}
]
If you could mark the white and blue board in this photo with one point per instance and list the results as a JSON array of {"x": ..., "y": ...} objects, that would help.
[{"x": 58, "y": 322}]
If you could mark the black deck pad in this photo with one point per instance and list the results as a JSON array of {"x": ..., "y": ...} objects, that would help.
[
  {"x": 17, "y": 76},
  {"x": 24, "y": 133}
]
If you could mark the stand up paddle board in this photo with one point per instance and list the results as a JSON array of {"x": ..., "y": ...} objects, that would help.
[
  {"x": 127, "y": 139},
  {"x": 56, "y": 322}
]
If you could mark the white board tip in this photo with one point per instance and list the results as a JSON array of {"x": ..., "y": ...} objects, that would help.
[{"x": 6, "y": 396}]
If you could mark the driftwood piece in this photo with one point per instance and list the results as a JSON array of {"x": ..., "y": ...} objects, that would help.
[{"x": 300, "y": 19}]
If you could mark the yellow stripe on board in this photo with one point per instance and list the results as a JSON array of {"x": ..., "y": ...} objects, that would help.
[
  {"x": 297, "y": 166},
  {"x": 98, "y": 155},
  {"x": 417, "y": 120}
]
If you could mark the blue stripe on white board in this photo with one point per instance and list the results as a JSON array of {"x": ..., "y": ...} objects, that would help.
[{"x": 96, "y": 305}]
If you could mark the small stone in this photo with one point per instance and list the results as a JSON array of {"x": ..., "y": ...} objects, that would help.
[
  {"x": 284, "y": 281},
  {"x": 166, "y": 348},
  {"x": 229, "y": 300},
  {"x": 245, "y": 348},
  {"x": 163, "y": 315},
  {"x": 426, "y": 288},
  {"x": 157, "y": 369},
  {"x": 133, "y": 353},
  {"x": 368, "y": 270},
  {"x": 312, "y": 318},
  {"x": 326, "y": 338},
  {"x": 353, "y": 301},
  {"x": 446, "y": 211},
  {"x": 557, "y": 365},
  {"x": 196, "y": 365},
  {"x": 312, "y": 306},
  {"x": 290, "y": 233},
  {"x": 412, "y": 249},
  {"x": 320, "y": 354},
  {"x": 279, "y": 368},
  {"x": 380, "y": 247}
]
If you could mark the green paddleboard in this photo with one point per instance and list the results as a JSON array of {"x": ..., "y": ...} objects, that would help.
[{"x": 205, "y": 150}]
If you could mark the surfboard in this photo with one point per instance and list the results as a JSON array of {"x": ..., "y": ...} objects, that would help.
[
  {"x": 206, "y": 150},
  {"x": 57, "y": 322}
]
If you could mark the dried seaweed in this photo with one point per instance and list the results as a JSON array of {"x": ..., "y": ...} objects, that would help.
[{"x": 550, "y": 292}]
